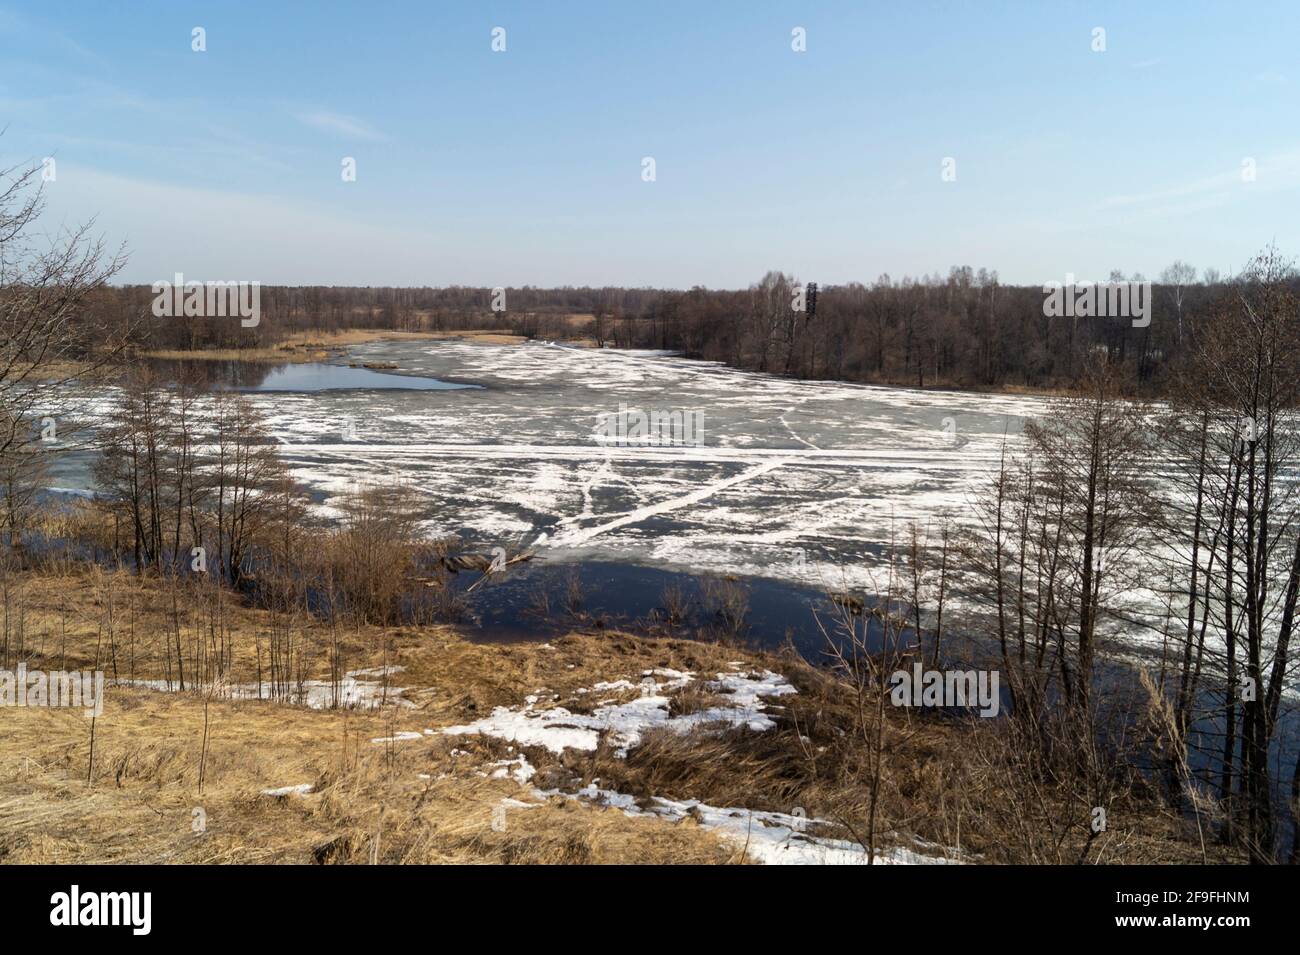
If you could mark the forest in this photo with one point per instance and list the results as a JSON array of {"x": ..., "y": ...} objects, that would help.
[{"x": 965, "y": 330}]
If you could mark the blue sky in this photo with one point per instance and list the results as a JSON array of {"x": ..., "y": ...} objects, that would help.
[{"x": 524, "y": 167}]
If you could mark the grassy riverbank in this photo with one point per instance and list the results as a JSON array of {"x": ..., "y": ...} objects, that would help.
[{"x": 389, "y": 784}]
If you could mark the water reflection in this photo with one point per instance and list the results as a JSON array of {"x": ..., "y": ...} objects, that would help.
[{"x": 255, "y": 376}]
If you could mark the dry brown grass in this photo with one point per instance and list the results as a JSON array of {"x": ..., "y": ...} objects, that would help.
[
  {"x": 369, "y": 803},
  {"x": 295, "y": 348},
  {"x": 64, "y": 619},
  {"x": 484, "y": 335},
  {"x": 127, "y": 620},
  {"x": 935, "y": 784},
  {"x": 318, "y": 346},
  {"x": 942, "y": 779}
]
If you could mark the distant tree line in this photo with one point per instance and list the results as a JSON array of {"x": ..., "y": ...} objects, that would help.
[{"x": 967, "y": 330}]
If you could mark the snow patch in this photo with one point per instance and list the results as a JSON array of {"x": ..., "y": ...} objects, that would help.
[
  {"x": 299, "y": 790},
  {"x": 353, "y": 693},
  {"x": 558, "y": 729},
  {"x": 772, "y": 838},
  {"x": 518, "y": 769},
  {"x": 399, "y": 737}
]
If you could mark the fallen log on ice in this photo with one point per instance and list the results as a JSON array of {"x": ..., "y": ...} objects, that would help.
[{"x": 486, "y": 564}]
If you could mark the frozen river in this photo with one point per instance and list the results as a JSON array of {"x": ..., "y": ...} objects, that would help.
[
  {"x": 803, "y": 482},
  {"x": 802, "y": 485}
]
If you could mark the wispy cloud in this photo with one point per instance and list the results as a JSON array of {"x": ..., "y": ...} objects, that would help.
[
  {"x": 1277, "y": 171},
  {"x": 339, "y": 123},
  {"x": 18, "y": 27},
  {"x": 298, "y": 240},
  {"x": 1215, "y": 184}
]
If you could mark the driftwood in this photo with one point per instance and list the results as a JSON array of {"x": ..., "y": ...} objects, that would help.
[
  {"x": 854, "y": 605},
  {"x": 490, "y": 569},
  {"x": 484, "y": 563},
  {"x": 857, "y": 607},
  {"x": 458, "y": 562}
]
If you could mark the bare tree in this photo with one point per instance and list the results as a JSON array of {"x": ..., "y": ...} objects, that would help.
[
  {"x": 49, "y": 333},
  {"x": 1247, "y": 365},
  {"x": 1177, "y": 277}
]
